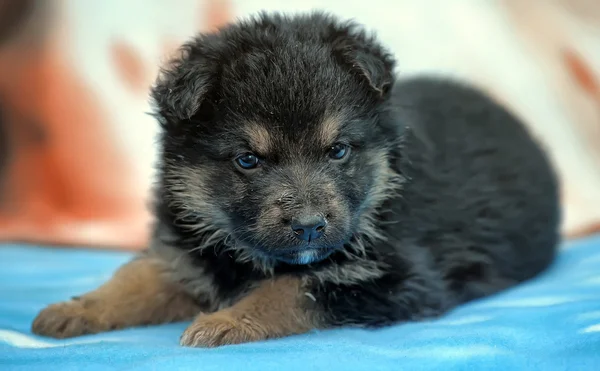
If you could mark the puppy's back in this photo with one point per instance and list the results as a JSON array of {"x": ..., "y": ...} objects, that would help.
[{"x": 479, "y": 186}]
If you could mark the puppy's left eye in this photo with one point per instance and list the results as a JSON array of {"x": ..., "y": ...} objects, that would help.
[{"x": 338, "y": 151}]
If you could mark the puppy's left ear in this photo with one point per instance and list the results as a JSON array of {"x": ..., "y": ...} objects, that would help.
[
  {"x": 376, "y": 69},
  {"x": 364, "y": 55}
]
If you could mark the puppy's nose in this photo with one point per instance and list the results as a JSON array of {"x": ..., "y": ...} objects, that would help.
[{"x": 309, "y": 227}]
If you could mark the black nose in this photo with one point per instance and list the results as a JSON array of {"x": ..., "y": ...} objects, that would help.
[{"x": 309, "y": 228}]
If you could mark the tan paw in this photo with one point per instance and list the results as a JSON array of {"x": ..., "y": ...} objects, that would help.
[
  {"x": 219, "y": 329},
  {"x": 68, "y": 319}
]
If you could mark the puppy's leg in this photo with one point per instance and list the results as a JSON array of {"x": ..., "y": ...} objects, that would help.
[
  {"x": 138, "y": 294},
  {"x": 276, "y": 308}
]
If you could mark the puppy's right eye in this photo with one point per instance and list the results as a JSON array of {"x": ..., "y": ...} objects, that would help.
[{"x": 247, "y": 161}]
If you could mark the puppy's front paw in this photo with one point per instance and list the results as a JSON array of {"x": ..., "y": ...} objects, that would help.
[
  {"x": 68, "y": 319},
  {"x": 219, "y": 329}
]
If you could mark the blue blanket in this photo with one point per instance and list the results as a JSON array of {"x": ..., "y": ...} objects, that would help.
[{"x": 550, "y": 323}]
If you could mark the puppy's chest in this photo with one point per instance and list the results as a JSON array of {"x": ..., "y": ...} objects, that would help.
[
  {"x": 213, "y": 281},
  {"x": 217, "y": 282}
]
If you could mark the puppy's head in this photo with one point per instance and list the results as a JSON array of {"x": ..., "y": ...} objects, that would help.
[{"x": 274, "y": 137}]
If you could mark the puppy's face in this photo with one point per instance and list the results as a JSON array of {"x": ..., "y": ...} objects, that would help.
[{"x": 273, "y": 136}]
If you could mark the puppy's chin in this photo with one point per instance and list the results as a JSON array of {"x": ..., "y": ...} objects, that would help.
[{"x": 303, "y": 256}]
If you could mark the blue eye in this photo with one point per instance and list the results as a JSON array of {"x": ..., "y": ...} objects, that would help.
[
  {"x": 247, "y": 161},
  {"x": 338, "y": 151}
]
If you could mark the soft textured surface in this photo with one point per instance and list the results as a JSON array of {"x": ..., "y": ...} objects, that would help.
[{"x": 551, "y": 323}]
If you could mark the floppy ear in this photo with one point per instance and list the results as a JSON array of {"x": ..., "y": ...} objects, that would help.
[
  {"x": 183, "y": 85},
  {"x": 365, "y": 56},
  {"x": 377, "y": 70}
]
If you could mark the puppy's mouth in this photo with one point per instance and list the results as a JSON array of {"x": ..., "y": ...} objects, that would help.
[
  {"x": 302, "y": 256},
  {"x": 292, "y": 251}
]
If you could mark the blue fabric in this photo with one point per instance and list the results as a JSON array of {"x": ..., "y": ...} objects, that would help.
[{"x": 550, "y": 323}]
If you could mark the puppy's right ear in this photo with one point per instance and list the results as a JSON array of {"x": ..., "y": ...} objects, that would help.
[{"x": 184, "y": 85}]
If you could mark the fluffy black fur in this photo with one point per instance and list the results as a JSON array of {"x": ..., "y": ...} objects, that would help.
[{"x": 444, "y": 197}]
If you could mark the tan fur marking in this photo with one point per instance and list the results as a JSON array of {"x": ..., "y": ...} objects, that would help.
[
  {"x": 179, "y": 269},
  {"x": 188, "y": 186},
  {"x": 330, "y": 191},
  {"x": 350, "y": 273},
  {"x": 189, "y": 194},
  {"x": 136, "y": 295},
  {"x": 387, "y": 184},
  {"x": 259, "y": 137},
  {"x": 330, "y": 128},
  {"x": 276, "y": 308}
]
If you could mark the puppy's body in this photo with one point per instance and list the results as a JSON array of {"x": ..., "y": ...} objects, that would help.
[{"x": 301, "y": 188}]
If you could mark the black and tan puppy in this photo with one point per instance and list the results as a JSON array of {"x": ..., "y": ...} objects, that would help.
[{"x": 302, "y": 188}]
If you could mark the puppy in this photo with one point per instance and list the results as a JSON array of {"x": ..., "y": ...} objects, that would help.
[{"x": 302, "y": 187}]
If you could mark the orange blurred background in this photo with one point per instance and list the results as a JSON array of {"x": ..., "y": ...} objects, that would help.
[{"x": 77, "y": 148}]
